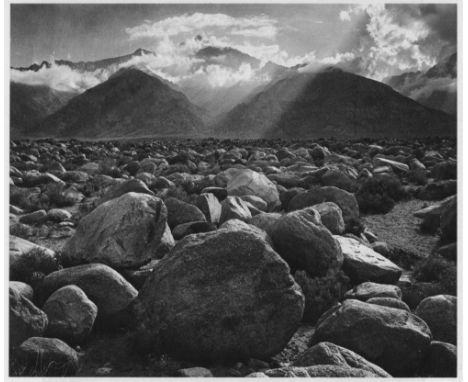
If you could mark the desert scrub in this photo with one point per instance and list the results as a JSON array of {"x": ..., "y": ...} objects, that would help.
[
  {"x": 321, "y": 293},
  {"x": 34, "y": 265},
  {"x": 436, "y": 269},
  {"x": 21, "y": 230},
  {"x": 379, "y": 194},
  {"x": 56, "y": 196},
  {"x": 21, "y": 199}
]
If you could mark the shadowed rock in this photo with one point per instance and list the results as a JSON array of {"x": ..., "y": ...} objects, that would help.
[{"x": 221, "y": 295}]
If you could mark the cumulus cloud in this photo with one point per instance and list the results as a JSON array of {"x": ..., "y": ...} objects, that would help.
[
  {"x": 256, "y": 26},
  {"x": 391, "y": 39},
  {"x": 61, "y": 78},
  {"x": 345, "y": 15},
  {"x": 400, "y": 38}
]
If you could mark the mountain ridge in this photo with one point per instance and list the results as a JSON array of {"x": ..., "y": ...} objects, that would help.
[
  {"x": 307, "y": 104},
  {"x": 130, "y": 104}
]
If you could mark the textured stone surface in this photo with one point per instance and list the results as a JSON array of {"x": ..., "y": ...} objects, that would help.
[
  {"x": 331, "y": 217},
  {"x": 393, "y": 339},
  {"x": 440, "y": 313},
  {"x": 25, "y": 319},
  {"x": 123, "y": 233},
  {"x": 71, "y": 314},
  {"x": 368, "y": 290},
  {"x": 362, "y": 263},
  {"x": 306, "y": 244},
  {"x": 248, "y": 182},
  {"x": 221, "y": 295},
  {"x": 104, "y": 286},
  {"x": 327, "y": 353},
  {"x": 49, "y": 355}
]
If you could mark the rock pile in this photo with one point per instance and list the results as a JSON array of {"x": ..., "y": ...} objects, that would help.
[{"x": 223, "y": 252}]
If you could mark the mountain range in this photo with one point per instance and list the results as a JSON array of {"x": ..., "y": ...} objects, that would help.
[
  {"x": 129, "y": 104},
  {"x": 435, "y": 88},
  {"x": 330, "y": 103},
  {"x": 280, "y": 102},
  {"x": 30, "y": 104}
]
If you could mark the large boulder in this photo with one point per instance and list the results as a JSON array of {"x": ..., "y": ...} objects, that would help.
[
  {"x": 398, "y": 166},
  {"x": 431, "y": 215},
  {"x": 209, "y": 204},
  {"x": 26, "y": 319},
  {"x": 301, "y": 239},
  {"x": 266, "y": 221},
  {"x": 438, "y": 190},
  {"x": 180, "y": 212},
  {"x": 192, "y": 227},
  {"x": 239, "y": 225},
  {"x": 362, "y": 263},
  {"x": 71, "y": 314},
  {"x": 445, "y": 170},
  {"x": 221, "y": 295},
  {"x": 35, "y": 217},
  {"x": 344, "y": 199},
  {"x": 234, "y": 207},
  {"x": 130, "y": 185},
  {"x": 248, "y": 182},
  {"x": 22, "y": 288},
  {"x": 331, "y": 217},
  {"x": 124, "y": 233},
  {"x": 394, "y": 339},
  {"x": 390, "y": 302},
  {"x": 50, "y": 356},
  {"x": 441, "y": 360},
  {"x": 440, "y": 313},
  {"x": 319, "y": 371},
  {"x": 448, "y": 222},
  {"x": 327, "y": 353},
  {"x": 104, "y": 286}
]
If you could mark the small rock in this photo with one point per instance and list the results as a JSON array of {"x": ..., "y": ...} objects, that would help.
[
  {"x": 390, "y": 302},
  {"x": 368, "y": 290},
  {"x": 35, "y": 217},
  {"x": 195, "y": 372}
]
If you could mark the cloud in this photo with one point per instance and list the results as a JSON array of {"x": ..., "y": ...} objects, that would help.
[
  {"x": 60, "y": 78},
  {"x": 256, "y": 26},
  {"x": 398, "y": 38},
  {"x": 387, "y": 40},
  {"x": 345, "y": 15}
]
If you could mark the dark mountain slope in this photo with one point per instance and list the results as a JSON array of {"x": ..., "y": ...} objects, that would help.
[
  {"x": 29, "y": 104},
  {"x": 332, "y": 103},
  {"x": 129, "y": 104},
  {"x": 436, "y": 88}
]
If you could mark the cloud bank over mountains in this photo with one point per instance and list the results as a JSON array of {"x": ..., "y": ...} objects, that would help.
[{"x": 387, "y": 40}]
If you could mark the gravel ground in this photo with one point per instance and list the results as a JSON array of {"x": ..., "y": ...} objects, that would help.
[{"x": 400, "y": 228}]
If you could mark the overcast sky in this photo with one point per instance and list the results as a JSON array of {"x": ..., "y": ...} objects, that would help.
[{"x": 376, "y": 40}]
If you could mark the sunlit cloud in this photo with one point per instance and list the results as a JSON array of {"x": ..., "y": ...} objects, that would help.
[{"x": 256, "y": 26}]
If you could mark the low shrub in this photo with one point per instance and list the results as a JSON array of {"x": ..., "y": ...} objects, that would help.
[
  {"x": 21, "y": 230},
  {"x": 436, "y": 269},
  {"x": 379, "y": 194},
  {"x": 34, "y": 265},
  {"x": 21, "y": 200},
  {"x": 57, "y": 197}
]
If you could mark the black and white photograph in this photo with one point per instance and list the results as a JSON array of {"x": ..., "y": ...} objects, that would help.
[{"x": 233, "y": 189}]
